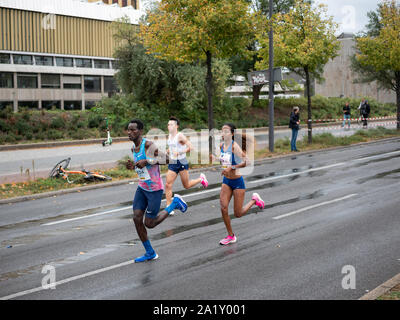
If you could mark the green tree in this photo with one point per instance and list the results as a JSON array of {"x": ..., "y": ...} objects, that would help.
[
  {"x": 242, "y": 64},
  {"x": 176, "y": 86},
  {"x": 193, "y": 30},
  {"x": 304, "y": 41},
  {"x": 378, "y": 52}
]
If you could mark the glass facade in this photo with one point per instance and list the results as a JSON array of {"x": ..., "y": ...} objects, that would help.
[
  {"x": 83, "y": 63},
  {"x": 92, "y": 84},
  {"x": 5, "y": 104},
  {"x": 44, "y": 61},
  {"x": 22, "y": 59},
  {"x": 28, "y": 104},
  {"x": 5, "y": 58},
  {"x": 6, "y": 80},
  {"x": 72, "y": 82},
  {"x": 49, "y": 105},
  {"x": 27, "y": 81},
  {"x": 65, "y": 62},
  {"x": 110, "y": 85},
  {"x": 102, "y": 64},
  {"x": 72, "y": 105},
  {"x": 50, "y": 81}
]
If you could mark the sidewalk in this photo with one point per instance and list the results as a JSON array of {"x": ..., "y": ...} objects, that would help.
[{"x": 390, "y": 286}]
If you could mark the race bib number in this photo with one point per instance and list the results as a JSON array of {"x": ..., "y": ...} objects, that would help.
[
  {"x": 226, "y": 160},
  {"x": 143, "y": 174}
]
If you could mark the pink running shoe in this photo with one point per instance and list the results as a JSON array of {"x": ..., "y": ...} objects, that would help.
[
  {"x": 204, "y": 181},
  {"x": 228, "y": 240},
  {"x": 259, "y": 202}
]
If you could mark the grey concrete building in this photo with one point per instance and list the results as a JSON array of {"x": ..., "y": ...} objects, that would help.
[
  {"x": 59, "y": 54},
  {"x": 339, "y": 77}
]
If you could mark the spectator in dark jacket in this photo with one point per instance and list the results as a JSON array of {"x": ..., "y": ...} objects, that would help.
[
  {"x": 294, "y": 124},
  {"x": 365, "y": 110},
  {"x": 346, "y": 114}
]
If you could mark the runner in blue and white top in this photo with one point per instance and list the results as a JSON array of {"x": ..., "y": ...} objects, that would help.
[
  {"x": 178, "y": 146},
  {"x": 147, "y": 201},
  {"x": 233, "y": 157}
]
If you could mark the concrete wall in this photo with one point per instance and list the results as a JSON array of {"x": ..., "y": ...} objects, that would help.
[{"x": 339, "y": 78}]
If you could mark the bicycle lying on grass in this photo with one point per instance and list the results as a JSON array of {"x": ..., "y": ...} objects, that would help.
[{"x": 60, "y": 170}]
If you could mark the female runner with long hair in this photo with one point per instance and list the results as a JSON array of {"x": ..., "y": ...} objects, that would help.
[{"x": 232, "y": 158}]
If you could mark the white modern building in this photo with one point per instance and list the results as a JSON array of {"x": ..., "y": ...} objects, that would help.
[{"x": 59, "y": 53}]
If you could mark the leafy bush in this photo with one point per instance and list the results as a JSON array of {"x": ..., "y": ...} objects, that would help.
[
  {"x": 53, "y": 134},
  {"x": 57, "y": 123}
]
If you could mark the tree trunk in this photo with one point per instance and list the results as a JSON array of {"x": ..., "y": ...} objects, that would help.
[
  {"x": 398, "y": 98},
  {"x": 256, "y": 93},
  {"x": 209, "y": 88},
  {"x": 309, "y": 126}
]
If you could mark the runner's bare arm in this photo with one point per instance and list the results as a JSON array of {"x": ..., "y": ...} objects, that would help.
[
  {"x": 154, "y": 155},
  {"x": 183, "y": 140},
  {"x": 237, "y": 150}
]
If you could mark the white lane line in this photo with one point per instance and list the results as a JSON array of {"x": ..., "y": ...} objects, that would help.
[
  {"x": 216, "y": 189},
  {"x": 297, "y": 173},
  {"x": 88, "y": 274},
  {"x": 377, "y": 156},
  {"x": 119, "y": 209},
  {"x": 84, "y": 217},
  {"x": 314, "y": 206}
]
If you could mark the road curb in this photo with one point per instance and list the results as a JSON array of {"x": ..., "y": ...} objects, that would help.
[
  {"x": 382, "y": 289},
  {"x": 214, "y": 167}
]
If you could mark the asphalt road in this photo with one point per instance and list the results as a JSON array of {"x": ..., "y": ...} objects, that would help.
[
  {"x": 22, "y": 165},
  {"x": 324, "y": 211}
]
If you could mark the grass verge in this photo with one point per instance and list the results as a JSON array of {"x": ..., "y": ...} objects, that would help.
[
  {"x": 393, "y": 294},
  {"x": 282, "y": 147}
]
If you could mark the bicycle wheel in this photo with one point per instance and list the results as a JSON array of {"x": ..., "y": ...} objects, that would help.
[{"x": 55, "y": 172}]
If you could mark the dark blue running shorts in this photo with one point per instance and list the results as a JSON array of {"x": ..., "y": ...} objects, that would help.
[
  {"x": 148, "y": 201},
  {"x": 178, "y": 166},
  {"x": 234, "y": 183}
]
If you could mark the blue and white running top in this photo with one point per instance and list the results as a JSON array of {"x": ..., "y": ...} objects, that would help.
[
  {"x": 149, "y": 176},
  {"x": 227, "y": 158}
]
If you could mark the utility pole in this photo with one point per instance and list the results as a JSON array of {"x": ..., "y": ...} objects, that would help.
[{"x": 271, "y": 80}]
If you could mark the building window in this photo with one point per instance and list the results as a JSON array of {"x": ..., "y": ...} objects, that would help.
[
  {"x": 21, "y": 59},
  {"x": 90, "y": 104},
  {"x": 5, "y": 58},
  {"x": 64, "y": 62},
  {"x": 72, "y": 105},
  {"x": 114, "y": 64},
  {"x": 124, "y": 3},
  {"x": 49, "y": 105},
  {"x": 28, "y": 104},
  {"x": 44, "y": 61},
  {"x": 102, "y": 64},
  {"x": 110, "y": 85},
  {"x": 92, "y": 84},
  {"x": 72, "y": 82},
  {"x": 5, "y": 104},
  {"x": 27, "y": 81},
  {"x": 83, "y": 63},
  {"x": 6, "y": 80},
  {"x": 51, "y": 81}
]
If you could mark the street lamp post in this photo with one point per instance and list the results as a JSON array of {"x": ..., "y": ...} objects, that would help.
[{"x": 271, "y": 80}]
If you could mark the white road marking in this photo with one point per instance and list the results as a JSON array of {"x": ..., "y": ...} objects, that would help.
[
  {"x": 88, "y": 274},
  {"x": 314, "y": 206},
  {"x": 119, "y": 209},
  {"x": 297, "y": 173},
  {"x": 217, "y": 189},
  {"x": 377, "y": 156},
  {"x": 88, "y": 216}
]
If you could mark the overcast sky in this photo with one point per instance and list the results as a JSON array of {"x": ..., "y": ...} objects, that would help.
[{"x": 350, "y": 14}]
